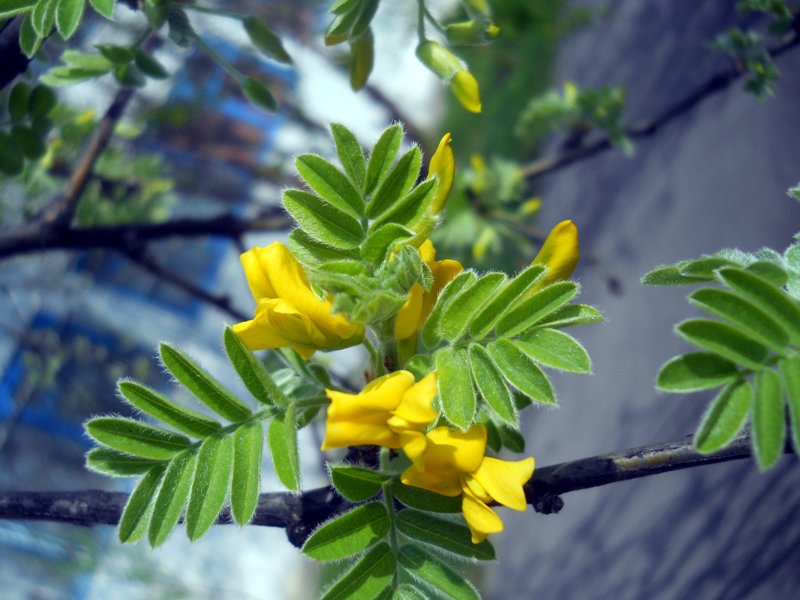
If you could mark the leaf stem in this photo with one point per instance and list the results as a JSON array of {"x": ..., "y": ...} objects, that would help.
[{"x": 217, "y": 57}]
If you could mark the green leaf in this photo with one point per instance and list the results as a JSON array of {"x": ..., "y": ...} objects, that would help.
[
  {"x": 570, "y": 315},
  {"x": 380, "y": 242},
  {"x": 671, "y": 275},
  {"x": 790, "y": 374},
  {"x": 489, "y": 382},
  {"x": 29, "y": 39},
  {"x": 162, "y": 408},
  {"x": 128, "y": 76},
  {"x": 743, "y": 315},
  {"x": 258, "y": 94},
  {"x": 339, "y": 7},
  {"x": 94, "y": 63},
  {"x": 357, "y": 483},
  {"x": 555, "y": 349},
  {"x": 322, "y": 220},
  {"x": 201, "y": 384},
  {"x": 350, "y": 533},
  {"x": 68, "y": 16},
  {"x": 769, "y": 426},
  {"x": 704, "y": 267},
  {"x": 252, "y": 372},
  {"x": 695, "y": 372},
  {"x": 339, "y": 29},
  {"x": 136, "y": 438},
  {"x": 409, "y": 209},
  {"x": 181, "y": 31},
  {"x": 792, "y": 258},
  {"x": 396, "y": 184},
  {"x": 368, "y": 10},
  {"x": 212, "y": 479},
  {"x": 407, "y": 591},
  {"x": 430, "y": 331},
  {"x": 458, "y": 314},
  {"x": 263, "y": 38},
  {"x": 446, "y": 535},
  {"x": 28, "y": 141},
  {"x": 724, "y": 340},
  {"x": 511, "y": 438},
  {"x": 350, "y": 155},
  {"x": 504, "y": 300},
  {"x": 136, "y": 514},
  {"x": 149, "y": 65},
  {"x": 119, "y": 55},
  {"x": 382, "y": 156},
  {"x": 283, "y": 446},
  {"x": 247, "y": 447},
  {"x": 724, "y": 419},
  {"x": 441, "y": 579},
  {"x": 42, "y": 101},
  {"x": 330, "y": 183},
  {"x": 521, "y": 372},
  {"x": 309, "y": 251},
  {"x": 769, "y": 271},
  {"x": 44, "y": 14},
  {"x": 104, "y": 7},
  {"x": 117, "y": 464},
  {"x": 773, "y": 301},
  {"x": 367, "y": 579},
  {"x": 10, "y": 8},
  {"x": 11, "y": 160},
  {"x": 535, "y": 308},
  {"x": 18, "y": 101},
  {"x": 456, "y": 393},
  {"x": 420, "y": 365},
  {"x": 171, "y": 497},
  {"x": 420, "y": 499}
]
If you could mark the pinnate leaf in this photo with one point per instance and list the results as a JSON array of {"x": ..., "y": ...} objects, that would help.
[
  {"x": 769, "y": 426},
  {"x": 136, "y": 438},
  {"x": 382, "y": 156},
  {"x": 212, "y": 478},
  {"x": 350, "y": 533},
  {"x": 455, "y": 387},
  {"x": 724, "y": 418},
  {"x": 555, "y": 349},
  {"x": 171, "y": 497},
  {"x": 136, "y": 514},
  {"x": 252, "y": 372},
  {"x": 247, "y": 448},
  {"x": 490, "y": 383},
  {"x": 535, "y": 308},
  {"x": 725, "y": 341},
  {"x": 441, "y": 579},
  {"x": 370, "y": 576},
  {"x": 283, "y": 447},
  {"x": 356, "y": 483},
  {"x": 442, "y": 534},
  {"x": 521, "y": 371},
  {"x": 322, "y": 220},
  {"x": 117, "y": 464},
  {"x": 694, "y": 372}
]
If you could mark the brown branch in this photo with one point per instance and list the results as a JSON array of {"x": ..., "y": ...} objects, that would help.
[
  {"x": 299, "y": 514},
  {"x": 716, "y": 84}
]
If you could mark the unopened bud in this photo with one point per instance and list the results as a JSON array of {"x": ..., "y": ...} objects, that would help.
[{"x": 471, "y": 33}]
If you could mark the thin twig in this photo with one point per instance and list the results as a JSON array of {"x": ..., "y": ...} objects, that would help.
[
  {"x": 299, "y": 514},
  {"x": 716, "y": 84}
]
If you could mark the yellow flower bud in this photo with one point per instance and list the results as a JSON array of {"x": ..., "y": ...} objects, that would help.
[
  {"x": 443, "y": 166},
  {"x": 465, "y": 88},
  {"x": 559, "y": 253}
]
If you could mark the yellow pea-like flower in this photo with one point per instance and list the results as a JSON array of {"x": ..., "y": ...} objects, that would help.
[
  {"x": 391, "y": 411},
  {"x": 466, "y": 90},
  {"x": 289, "y": 313},
  {"x": 559, "y": 253},
  {"x": 453, "y": 463},
  {"x": 443, "y": 166},
  {"x": 418, "y": 307}
]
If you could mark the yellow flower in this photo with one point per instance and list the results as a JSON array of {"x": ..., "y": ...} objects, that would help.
[
  {"x": 453, "y": 464},
  {"x": 465, "y": 88},
  {"x": 420, "y": 303},
  {"x": 289, "y": 312},
  {"x": 560, "y": 253},
  {"x": 443, "y": 166},
  {"x": 391, "y": 411}
]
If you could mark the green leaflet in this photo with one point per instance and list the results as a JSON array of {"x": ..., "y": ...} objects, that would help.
[
  {"x": 458, "y": 314},
  {"x": 420, "y": 365},
  {"x": 252, "y": 372},
  {"x": 790, "y": 374},
  {"x": 769, "y": 271},
  {"x": 440, "y": 578},
  {"x": 407, "y": 591},
  {"x": 446, "y": 535},
  {"x": 212, "y": 478},
  {"x": 743, "y": 315},
  {"x": 511, "y": 438},
  {"x": 521, "y": 371},
  {"x": 207, "y": 389},
  {"x": 330, "y": 183},
  {"x": 367, "y": 579},
  {"x": 43, "y": 16},
  {"x": 29, "y": 40},
  {"x": 258, "y": 94},
  {"x": 31, "y": 144},
  {"x": 309, "y": 251},
  {"x": 247, "y": 448},
  {"x": 456, "y": 393},
  {"x": 68, "y": 16},
  {"x": 117, "y": 464},
  {"x": 171, "y": 497},
  {"x": 409, "y": 209},
  {"x": 503, "y": 301},
  {"x": 18, "y": 101},
  {"x": 382, "y": 156},
  {"x": 670, "y": 275},
  {"x": 149, "y": 65},
  {"x": 322, "y": 220},
  {"x": 263, "y": 38},
  {"x": 724, "y": 340},
  {"x": 704, "y": 267},
  {"x": 792, "y": 259},
  {"x": 489, "y": 382},
  {"x": 420, "y": 499},
  {"x": 380, "y": 241},
  {"x": 283, "y": 447},
  {"x": 724, "y": 418},
  {"x": 430, "y": 331},
  {"x": 396, "y": 183},
  {"x": 350, "y": 155},
  {"x": 162, "y": 408},
  {"x": 769, "y": 427},
  {"x": 538, "y": 306},
  {"x": 694, "y": 372},
  {"x": 555, "y": 349},
  {"x": 368, "y": 10},
  {"x": 104, "y": 7},
  {"x": 773, "y": 301},
  {"x": 136, "y": 438},
  {"x": 356, "y": 483},
  {"x": 136, "y": 514},
  {"x": 350, "y": 533}
]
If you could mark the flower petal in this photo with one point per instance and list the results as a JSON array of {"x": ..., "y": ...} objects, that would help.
[
  {"x": 443, "y": 166},
  {"x": 445, "y": 482},
  {"x": 503, "y": 480},
  {"x": 480, "y": 519},
  {"x": 560, "y": 252},
  {"x": 463, "y": 450},
  {"x": 465, "y": 88},
  {"x": 416, "y": 407},
  {"x": 408, "y": 322}
]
